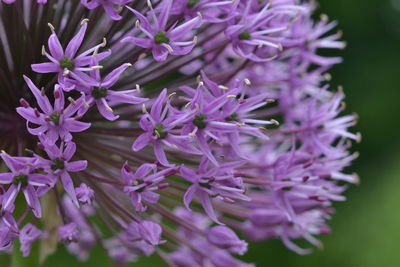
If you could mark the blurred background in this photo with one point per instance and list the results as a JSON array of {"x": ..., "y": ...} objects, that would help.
[{"x": 366, "y": 228}]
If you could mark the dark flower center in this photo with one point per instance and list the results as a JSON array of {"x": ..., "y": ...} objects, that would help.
[
  {"x": 199, "y": 121},
  {"x": 141, "y": 189},
  {"x": 233, "y": 117},
  {"x": 206, "y": 185},
  {"x": 158, "y": 131},
  {"x": 192, "y": 3},
  {"x": 160, "y": 37},
  {"x": 67, "y": 63},
  {"x": 244, "y": 35},
  {"x": 20, "y": 179},
  {"x": 58, "y": 164},
  {"x": 55, "y": 117},
  {"x": 99, "y": 92}
]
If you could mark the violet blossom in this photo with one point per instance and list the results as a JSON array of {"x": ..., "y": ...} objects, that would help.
[
  {"x": 225, "y": 127},
  {"x": 160, "y": 39},
  {"x": 55, "y": 121}
]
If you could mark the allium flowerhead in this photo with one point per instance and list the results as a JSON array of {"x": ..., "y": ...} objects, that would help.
[{"x": 175, "y": 127}]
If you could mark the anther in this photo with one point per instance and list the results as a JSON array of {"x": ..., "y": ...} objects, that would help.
[
  {"x": 104, "y": 43},
  {"x": 72, "y": 101},
  {"x": 84, "y": 21},
  {"x": 24, "y": 103},
  {"x": 171, "y": 95},
  {"x": 327, "y": 76},
  {"x": 358, "y": 137},
  {"x": 85, "y": 104},
  {"x": 51, "y": 27},
  {"x": 144, "y": 110},
  {"x": 170, "y": 50},
  {"x": 97, "y": 67},
  {"x": 274, "y": 122}
]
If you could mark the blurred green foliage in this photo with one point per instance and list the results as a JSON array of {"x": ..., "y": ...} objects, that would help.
[{"x": 365, "y": 228}]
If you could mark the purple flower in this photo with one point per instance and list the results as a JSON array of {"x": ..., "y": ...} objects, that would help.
[
  {"x": 224, "y": 237},
  {"x": 66, "y": 62},
  {"x": 23, "y": 176},
  {"x": 111, "y": 7},
  {"x": 79, "y": 224},
  {"x": 8, "y": 231},
  {"x": 223, "y": 114},
  {"x": 150, "y": 232},
  {"x": 160, "y": 126},
  {"x": 54, "y": 121},
  {"x": 253, "y": 32},
  {"x": 140, "y": 186},
  {"x": 28, "y": 234},
  {"x": 220, "y": 114},
  {"x": 163, "y": 40},
  {"x": 6, "y": 238},
  {"x": 209, "y": 183},
  {"x": 209, "y": 141},
  {"x": 60, "y": 164},
  {"x": 84, "y": 193},
  {"x": 98, "y": 91},
  {"x": 68, "y": 233}
]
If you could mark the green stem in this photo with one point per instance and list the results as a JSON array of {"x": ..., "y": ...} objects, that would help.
[{"x": 17, "y": 260}]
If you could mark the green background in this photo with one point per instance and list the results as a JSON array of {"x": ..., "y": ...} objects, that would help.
[{"x": 366, "y": 228}]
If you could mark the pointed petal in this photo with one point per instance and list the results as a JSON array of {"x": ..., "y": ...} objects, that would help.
[
  {"x": 160, "y": 154},
  {"x": 207, "y": 206},
  {"x": 32, "y": 200},
  {"x": 76, "y": 42},
  {"x": 69, "y": 187},
  {"x": 55, "y": 47},
  {"x": 189, "y": 195},
  {"x": 43, "y": 101},
  {"x": 76, "y": 166},
  {"x": 142, "y": 141}
]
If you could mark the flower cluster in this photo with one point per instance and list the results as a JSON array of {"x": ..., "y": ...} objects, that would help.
[{"x": 169, "y": 126}]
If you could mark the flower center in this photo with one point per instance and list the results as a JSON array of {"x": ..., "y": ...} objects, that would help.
[
  {"x": 233, "y": 117},
  {"x": 58, "y": 164},
  {"x": 67, "y": 63},
  {"x": 158, "y": 131},
  {"x": 160, "y": 37},
  {"x": 244, "y": 35},
  {"x": 192, "y": 3},
  {"x": 206, "y": 185},
  {"x": 20, "y": 179},
  {"x": 199, "y": 121},
  {"x": 55, "y": 117},
  {"x": 99, "y": 92}
]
